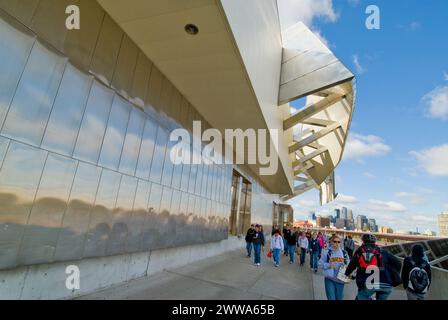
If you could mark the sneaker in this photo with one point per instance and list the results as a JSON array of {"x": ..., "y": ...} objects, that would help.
[
  {"x": 276, "y": 265},
  {"x": 258, "y": 264},
  {"x": 290, "y": 262},
  {"x": 315, "y": 270}
]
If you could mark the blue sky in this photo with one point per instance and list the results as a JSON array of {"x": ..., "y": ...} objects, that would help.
[{"x": 396, "y": 164}]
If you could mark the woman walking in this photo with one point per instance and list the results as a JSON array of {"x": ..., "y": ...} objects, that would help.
[
  {"x": 277, "y": 247},
  {"x": 331, "y": 261}
]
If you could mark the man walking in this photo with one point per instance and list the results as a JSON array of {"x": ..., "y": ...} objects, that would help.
[
  {"x": 416, "y": 274},
  {"x": 373, "y": 263},
  {"x": 249, "y": 237},
  {"x": 314, "y": 249},
  {"x": 291, "y": 243}
]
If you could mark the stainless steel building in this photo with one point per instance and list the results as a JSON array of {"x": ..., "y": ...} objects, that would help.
[{"x": 85, "y": 115}]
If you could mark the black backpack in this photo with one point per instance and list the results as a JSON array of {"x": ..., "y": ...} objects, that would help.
[{"x": 418, "y": 277}]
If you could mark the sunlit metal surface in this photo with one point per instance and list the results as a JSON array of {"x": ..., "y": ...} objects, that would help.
[
  {"x": 308, "y": 65},
  {"x": 84, "y": 150}
]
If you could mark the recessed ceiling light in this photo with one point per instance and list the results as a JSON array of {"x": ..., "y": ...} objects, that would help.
[{"x": 191, "y": 29}]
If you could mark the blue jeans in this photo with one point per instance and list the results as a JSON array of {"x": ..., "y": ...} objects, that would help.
[
  {"x": 249, "y": 248},
  {"x": 381, "y": 294},
  {"x": 302, "y": 256},
  {"x": 285, "y": 246},
  {"x": 334, "y": 290},
  {"x": 257, "y": 252},
  {"x": 291, "y": 251},
  {"x": 314, "y": 257},
  {"x": 276, "y": 255}
]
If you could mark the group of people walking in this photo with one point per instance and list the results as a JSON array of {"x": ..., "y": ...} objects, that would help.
[{"x": 375, "y": 271}]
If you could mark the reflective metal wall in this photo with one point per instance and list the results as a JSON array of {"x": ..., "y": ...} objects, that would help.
[{"x": 85, "y": 119}]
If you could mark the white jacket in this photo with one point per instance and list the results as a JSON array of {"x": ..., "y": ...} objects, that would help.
[
  {"x": 303, "y": 242},
  {"x": 277, "y": 243}
]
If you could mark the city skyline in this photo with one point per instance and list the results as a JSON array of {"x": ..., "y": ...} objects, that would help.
[{"x": 395, "y": 166}]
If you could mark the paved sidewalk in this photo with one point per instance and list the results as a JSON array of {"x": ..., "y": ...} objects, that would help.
[{"x": 230, "y": 276}]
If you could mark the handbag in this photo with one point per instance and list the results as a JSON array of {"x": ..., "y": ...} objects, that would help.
[{"x": 269, "y": 255}]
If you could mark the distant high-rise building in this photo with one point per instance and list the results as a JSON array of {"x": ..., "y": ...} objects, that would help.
[
  {"x": 372, "y": 225},
  {"x": 341, "y": 223},
  {"x": 350, "y": 215},
  {"x": 337, "y": 213},
  {"x": 443, "y": 224},
  {"x": 361, "y": 222},
  {"x": 344, "y": 213},
  {"x": 313, "y": 216}
]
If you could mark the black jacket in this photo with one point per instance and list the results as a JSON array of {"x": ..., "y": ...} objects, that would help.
[
  {"x": 258, "y": 238},
  {"x": 250, "y": 235},
  {"x": 388, "y": 274},
  {"x": 408, "y": 266},
  {"x": 290, "y": 237}
]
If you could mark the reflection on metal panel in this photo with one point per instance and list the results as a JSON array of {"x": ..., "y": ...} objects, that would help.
[
  {"x": 115, "y": 133},
  {"x": 122, "y": 215},
  {"x": 159, "y": 155},
  {"x": 93, "y": 124},
  {"x": 308, "y": 65},
  {"x": 66, "y": 201},
  {"x": 132, "y": 142},
  {"x": 150, "y": 230},
  {"x": 41, "y": 233},
  {"x": 66, "y": 115},
  {"x": 101, "y": 217},
  {"x": 21, "y": 10},
  {"x": 31, "y": 106},
  {"x": 146, "y": 149},
  {"x": 15, "y": 47},
  {"x": 106, "y": 51},
  {"x": 124, "y": 70},
  {"x": 19, "y": 179},
  {"x": 75, "y": 223},
  {"x": 4, "y": 143},
  {"x": 139, "y": 215}
]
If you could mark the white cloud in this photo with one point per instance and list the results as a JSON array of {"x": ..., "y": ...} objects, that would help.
[
  {"x": 411, "y": 197},
  {"x": 445, "y": 76},
  {"x": 369, "y": 175},
  {"x": 388, "y": 206},
  {"x": 434, "y": 160},
  {"x": 436, "y": 103},
  {"x": 293, "y": 11},
  {"x": 346, "y": 199},
  {"x": 306, "y": 11},
  {"x": 423, "y": 218},
  {"x": 359, "y": 68},
  {"x": 360, "y": 146}
]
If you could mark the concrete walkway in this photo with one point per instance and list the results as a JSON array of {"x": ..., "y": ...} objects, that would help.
[{"x": 230, "y": 276}]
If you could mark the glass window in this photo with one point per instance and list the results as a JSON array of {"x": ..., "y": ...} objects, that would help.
[
  {"x": 41, "y": 233},
  {"x": 205, "y": 169},
  {"x": 159, "y": 155},
  {"x": 15, "y": 47},
  {"x": 31, "y": 106},
  {"x": 115, "y": 133},
  {"x": 133, "y": 142},
  {"x": 19, "y": 178},
  {"x": 124, "y": 70},
  {"x": 146, "y": 149},
  {"x": 75, "y": 224},
  {"x": 93, "y": 125},
  {"x": 197, "y": 190},
  {"x": 65, "y": 119}
]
